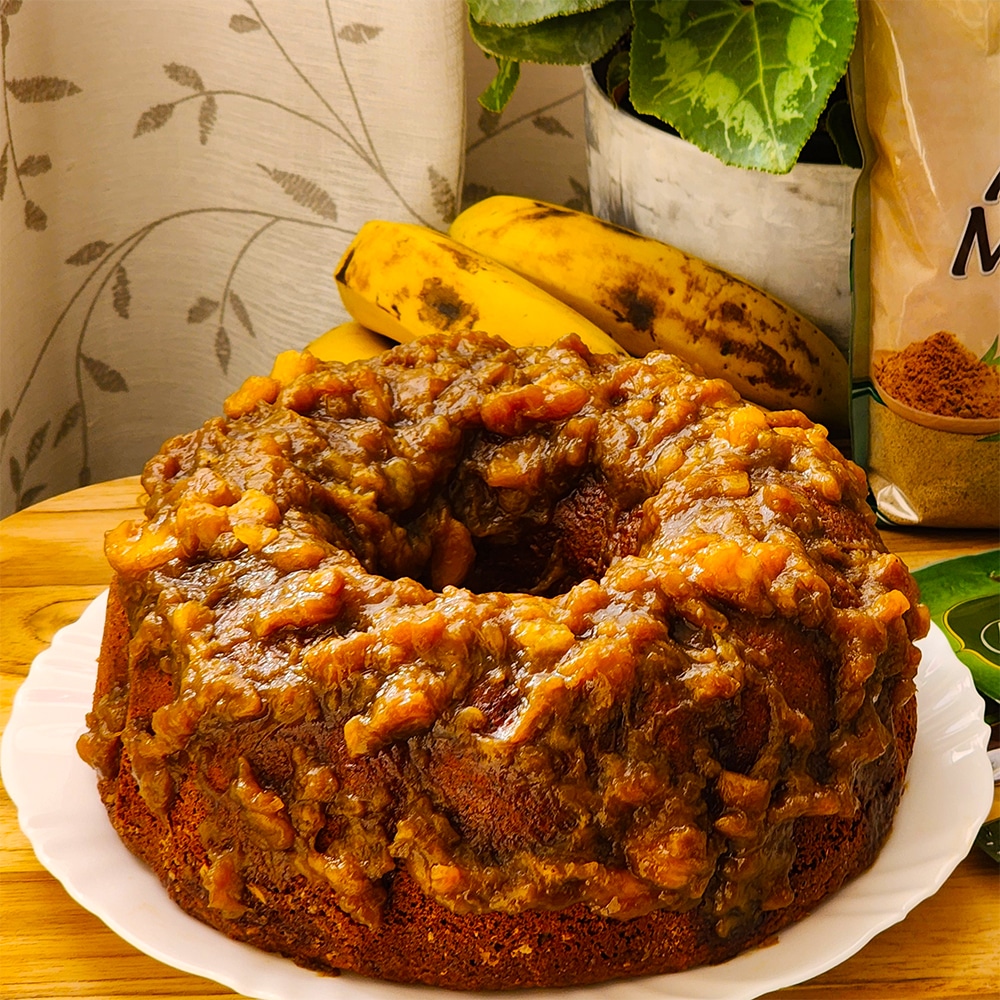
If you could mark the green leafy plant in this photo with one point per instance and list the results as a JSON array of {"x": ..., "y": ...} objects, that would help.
[{"x": 744, "y": 80}]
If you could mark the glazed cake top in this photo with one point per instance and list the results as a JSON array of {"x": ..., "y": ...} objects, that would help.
[{"x": 647, "y": 624}]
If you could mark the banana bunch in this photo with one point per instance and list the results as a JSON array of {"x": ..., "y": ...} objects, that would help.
[
  {"x": 404, "y": 280},
  {"x": 532, "y": 273},
  {"x": 651, "y": 296}
]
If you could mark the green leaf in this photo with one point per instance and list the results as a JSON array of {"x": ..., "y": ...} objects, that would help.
[
  {"x": 495, "y": 97},
  {"x": 571, "y": 40},
  {"x": 509, "y": 12},
  {"x": 992, "y": 357},
  {"x": 616, "y": 83},
  {"x": 745, "y": 82}
]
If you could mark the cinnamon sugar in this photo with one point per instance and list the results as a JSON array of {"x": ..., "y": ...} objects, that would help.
[{"x": 940, "y": 375}]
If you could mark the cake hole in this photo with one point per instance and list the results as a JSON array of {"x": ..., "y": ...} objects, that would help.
[{"x": 584, "y": 533}]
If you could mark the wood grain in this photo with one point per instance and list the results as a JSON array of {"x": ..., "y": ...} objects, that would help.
[{"x": 52, "y": 565}]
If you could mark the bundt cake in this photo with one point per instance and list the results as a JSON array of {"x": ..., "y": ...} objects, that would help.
[{"x": 485, "y": 668}]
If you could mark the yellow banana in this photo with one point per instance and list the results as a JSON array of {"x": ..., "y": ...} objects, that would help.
[
  {"x": 348, "y": 342},
  {"x": 405, "y": 280},
  {"x": 651, "y": 296}
]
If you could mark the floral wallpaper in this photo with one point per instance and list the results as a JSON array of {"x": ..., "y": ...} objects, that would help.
[{"x": 178, "y": 180}]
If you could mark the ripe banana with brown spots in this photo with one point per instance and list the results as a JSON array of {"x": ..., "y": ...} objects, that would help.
[
  {"x": 349, "y": 342},
  {"x": 404, "y": 280},
  {"x": 651, "y": 296}
]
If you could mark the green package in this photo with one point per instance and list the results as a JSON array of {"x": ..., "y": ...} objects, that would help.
[{"x": 963, "y": 595}]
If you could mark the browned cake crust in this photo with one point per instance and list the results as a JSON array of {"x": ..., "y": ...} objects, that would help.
[{"x": 488, "y": 668}]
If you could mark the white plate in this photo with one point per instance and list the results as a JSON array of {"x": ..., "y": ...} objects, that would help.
[{"x": 949, "y": 791}]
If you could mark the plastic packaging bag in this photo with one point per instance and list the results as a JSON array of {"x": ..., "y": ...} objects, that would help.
[{"x": 925, "y": 88}]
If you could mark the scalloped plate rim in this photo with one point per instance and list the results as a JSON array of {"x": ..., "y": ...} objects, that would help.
[{"x": 912, "y": 866}]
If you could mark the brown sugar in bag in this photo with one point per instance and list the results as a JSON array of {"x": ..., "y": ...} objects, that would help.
[{"x": 925, "y": 82}]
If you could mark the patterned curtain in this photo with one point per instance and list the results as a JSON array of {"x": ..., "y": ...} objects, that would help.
[{"x": 178, "y": 179}]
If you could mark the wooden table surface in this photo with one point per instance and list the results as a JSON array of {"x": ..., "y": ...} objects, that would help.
[{"x": 52, "y": 566}]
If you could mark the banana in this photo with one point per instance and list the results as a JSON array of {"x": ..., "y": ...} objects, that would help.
[
  {"x": 404, "y": 280},
  {"x": 348, "y": 342},
  {"x": 651, "y": 296}
]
